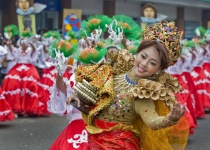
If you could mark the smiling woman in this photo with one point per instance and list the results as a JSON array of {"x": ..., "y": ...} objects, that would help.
[
  {"x": 135, "y": 105},
  {"x": 151, "y": 58}
]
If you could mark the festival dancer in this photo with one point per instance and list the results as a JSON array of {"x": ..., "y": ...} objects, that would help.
[
  {"x": 131, "y": 118},
  {"x": 20, "y": 86}
]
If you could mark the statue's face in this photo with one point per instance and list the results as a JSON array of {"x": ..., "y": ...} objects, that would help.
[
  {"x": 149, "y": 12},
  {"x": 24, "y": 4}
]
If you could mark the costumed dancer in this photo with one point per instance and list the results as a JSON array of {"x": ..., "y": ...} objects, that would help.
[
  {"x": 6, "y": 112},
  {"x": 20, "y": 84},
  {"x": 184, "y": 95},
  {"x": 47, "y": 66},
  {"x": 206, "y": 68},
  {"x": 8, "y": 61},
  {"x": 198, "y": 74},
  {"x": 74, "y": 136},
  {"x": 128, "y": 101},
  {"x": 48, "y": 70},
  {"x": 187, "y": 68}
]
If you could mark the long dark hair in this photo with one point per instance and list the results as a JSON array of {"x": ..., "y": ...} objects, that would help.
[{"x": 160, "y": 48}]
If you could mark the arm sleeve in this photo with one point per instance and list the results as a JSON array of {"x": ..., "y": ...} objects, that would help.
[
  {"x": 57, "y": 102},
  {"x": 146, "y": 109}
]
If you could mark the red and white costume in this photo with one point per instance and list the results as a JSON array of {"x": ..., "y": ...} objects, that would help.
[
  {"x": 206, "y": 70},
  {"x": 184, "y": 97},
  {"x": 11, "y": 60},
  {"x": 20, "y": 84},
  {"x": 6, "y": 112},
  {"x": 74, "y": 136}
]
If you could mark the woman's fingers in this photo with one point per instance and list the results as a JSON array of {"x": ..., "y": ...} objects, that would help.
[
  {"x": 69, "y": 99},
  {"x": 177, "y": 112},
  {"x": 77, "y": 99}
]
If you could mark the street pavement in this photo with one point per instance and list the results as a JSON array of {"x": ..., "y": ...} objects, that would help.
[
  {"x": 38, "y": 133},
  {"x": 200, "y": 140},
  {"x": 31, "y": 133}
]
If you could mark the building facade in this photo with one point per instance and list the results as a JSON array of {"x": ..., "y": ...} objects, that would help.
[{"x": 188, "y": 14}]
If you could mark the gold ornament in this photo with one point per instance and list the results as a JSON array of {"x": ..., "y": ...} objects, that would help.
[{"x": 167, "y": 34}]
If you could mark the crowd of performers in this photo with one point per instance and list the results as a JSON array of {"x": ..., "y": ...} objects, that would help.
[{"x": 24, "y": 91}]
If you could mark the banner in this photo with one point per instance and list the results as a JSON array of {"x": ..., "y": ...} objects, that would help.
[
  {"x": 26, "y": 18},
  {"x": 71, "y": 20}
]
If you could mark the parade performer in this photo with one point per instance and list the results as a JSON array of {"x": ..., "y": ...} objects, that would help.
[
  {"x": 10, "y": 31},
  {"x": 130, "y": 106},
  {"x": 20, "y": 85},
  {"x": 6, "y": 112},
  {"x": 74, "y": 136}
]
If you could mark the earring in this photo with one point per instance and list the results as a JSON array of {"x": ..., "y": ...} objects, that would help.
[{"x": 155, "y": 76}]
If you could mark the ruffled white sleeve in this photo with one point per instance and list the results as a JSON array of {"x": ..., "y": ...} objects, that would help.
[{"x": 57, "y": 102}]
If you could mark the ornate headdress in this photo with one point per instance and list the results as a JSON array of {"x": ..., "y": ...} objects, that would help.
[
  {"x": 54, "y": 34},
  {"x": 10, "y": 31},
  {"x": 167, "y": 34},
  {"x": 200, "y": 31},
  {"x": 96, "y": 22},
  {"x": 63, "y": 46}
]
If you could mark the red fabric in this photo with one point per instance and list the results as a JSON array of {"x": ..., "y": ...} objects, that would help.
[
  {"x": 47, "y": 80},
  {"x": 196, "y": 101},
  {"x": 5, "y": 109},
  {"x": 206, "y": 68},
  {"x": 22, "y": 102},
  {"x": 200, "y": 84},
  {"x": 103, "y": 124},
  {"x": 112, "y": 140},
  {"x": 74, "y": 128},
  {"x": 184, "y": 98}
]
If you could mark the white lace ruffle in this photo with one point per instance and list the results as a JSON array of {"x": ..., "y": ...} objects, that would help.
[
  {"x": 44, "y": 86},
  {"x": 54, "y": 71},
  {"x": 184, "y": 79},
  {"x": 204, "y": 92},
  {"x": 6, "y": 112},
  {"x": 206, "y": 73},
  {"x": 201, "y": 81},
  {"x": 31, "y": 93},
  {"x": 69, "y": 89},
  {"x": 49, "y": 76},
  {"x": 194, "y": 74},
  {"x": 57, "y": 102},
  {"x": 17, "y": 77},
  {"x": 12, "y": 92},
  {"x": 22, "y": 67},
  {"x": 29, "y": 79},
  {"x": 21, "y": 91},
  {"x": 2, "y": 97},
  {"x": 13, "y": 77}
]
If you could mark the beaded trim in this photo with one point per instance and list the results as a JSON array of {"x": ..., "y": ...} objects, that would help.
[{"x": 129, "y": 80}]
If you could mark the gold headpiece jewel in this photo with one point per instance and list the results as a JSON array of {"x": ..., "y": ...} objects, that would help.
[{"x": 167, "y": 33}]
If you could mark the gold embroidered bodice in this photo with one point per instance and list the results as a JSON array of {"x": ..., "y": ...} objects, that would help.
[
  {"x": 122, "y": 108},
  {"x": 135, "y": 98}
]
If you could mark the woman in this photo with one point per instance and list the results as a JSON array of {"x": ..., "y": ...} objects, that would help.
[
  {"x": 20, "y": 86},
  {"x": 132, "y": 105}
]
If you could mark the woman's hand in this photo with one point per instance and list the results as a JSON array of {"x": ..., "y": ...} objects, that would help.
[
  {"x": 177, "y": 112},
  {"x": 71, "y": 98}
]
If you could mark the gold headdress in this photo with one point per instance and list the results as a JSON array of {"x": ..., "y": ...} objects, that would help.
[{"x": 167, "y": 33}]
